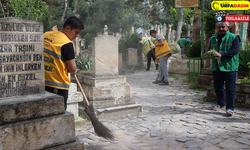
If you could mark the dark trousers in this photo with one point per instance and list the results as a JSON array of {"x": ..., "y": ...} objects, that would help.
[
  {"x": 64, "y": 93},
  {"x": 229, "y": 78},
  {"x": 149, "y": 56}
]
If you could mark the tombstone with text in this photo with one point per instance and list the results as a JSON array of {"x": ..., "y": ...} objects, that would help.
[
  {"x": 21, "y": 58},
  {"x": 26, "y": 110}
]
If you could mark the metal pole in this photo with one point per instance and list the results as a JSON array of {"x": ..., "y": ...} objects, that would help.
[{"x": 202, "y": 33}]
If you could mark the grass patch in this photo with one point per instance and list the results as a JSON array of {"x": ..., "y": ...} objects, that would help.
[
  {"x": 175, "y": 76},
  {"x": 176, "y": 52},
  {"x": 84, "y": 116},
  {"x": 206, "y": 99},
  {"x": 193, "y": 84}
]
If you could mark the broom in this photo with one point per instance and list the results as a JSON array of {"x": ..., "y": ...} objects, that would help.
[{"x": 100, "y": 129}]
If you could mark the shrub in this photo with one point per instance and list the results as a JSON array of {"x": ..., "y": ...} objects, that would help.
[
  {"x": 193, "y": 49},
  {"x": 128, "y": 40},
  {"x": 244, "y": 58},
  {"x": 84, "y": 64}
]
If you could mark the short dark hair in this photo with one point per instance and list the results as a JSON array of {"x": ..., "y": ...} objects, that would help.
[
  {"x": 153, "y": 31},
  {"x": 74, "y": 23}
]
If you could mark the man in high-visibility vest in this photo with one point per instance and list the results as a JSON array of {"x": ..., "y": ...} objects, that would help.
[
  {"x": 59, "y": 57},
  {"x": 144, "y": 47},
  {"x": 162, "y": 52}
]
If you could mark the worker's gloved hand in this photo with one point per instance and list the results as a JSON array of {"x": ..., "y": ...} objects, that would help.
[
  {"x": 138, "y": 57},
  {"x": 152, "y": 46}
]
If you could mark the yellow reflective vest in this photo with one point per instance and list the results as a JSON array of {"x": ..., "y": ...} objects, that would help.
[
  {"x": 161, "y": 51},
  {"x": 56, "y": 73},
  {"x": 145, "y": 46}
]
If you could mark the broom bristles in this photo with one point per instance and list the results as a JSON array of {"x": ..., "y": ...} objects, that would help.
[{"x": 100, "y": 129}]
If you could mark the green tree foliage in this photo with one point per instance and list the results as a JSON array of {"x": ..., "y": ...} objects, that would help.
[
  {"x": 47, "y": 11},
  {"x": 116, "y": 14},
  {"x": 188, "y": 14},
  {"x": 128, "y": 40},
  {"x": 210, "y": 22},
  {"x": 32, "y": 9}
]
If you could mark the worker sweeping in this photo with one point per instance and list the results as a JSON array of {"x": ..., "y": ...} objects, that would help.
[
  {"x": 162, "y": 52},
  {"x": 144, "y": 47},
  {"x": 59, "y": 57},
  {"x": 59, "y": 60}
]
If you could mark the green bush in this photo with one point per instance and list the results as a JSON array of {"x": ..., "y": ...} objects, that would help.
[
  {"x": 244, "y": 58},
  {"x": 193, "y": 49},
  {"x": 128, "y": 40},
  {"x": 84, "y": 64}
]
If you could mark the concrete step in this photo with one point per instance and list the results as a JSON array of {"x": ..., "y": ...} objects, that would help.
[
  {"x": 77, "y": 145},
  {"x": 101, "y": 104},
  {"x": 120, "y": 111},
  {"x": 22, "y": 108},
  {"x": 38, "y": 133}
]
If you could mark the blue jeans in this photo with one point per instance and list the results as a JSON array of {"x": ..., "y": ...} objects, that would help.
[{"x": 229, "y": 78}]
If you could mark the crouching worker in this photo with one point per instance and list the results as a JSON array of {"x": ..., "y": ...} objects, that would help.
[
  {"x": 144, "y": 47},
  {"x": 59, "y": 57},
  {"x": 183, "y": 42},
  {"x": 162, "y": 52}
]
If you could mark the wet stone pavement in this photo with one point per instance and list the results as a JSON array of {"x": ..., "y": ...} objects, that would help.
[{"x": 172, "y": 118}]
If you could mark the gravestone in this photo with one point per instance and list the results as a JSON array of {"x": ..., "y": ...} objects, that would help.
[
  {"x": 30, "y": 118},
  {"x": 21, "y": 59},
  {"x": 109, "y": 92},
  {"x": 164, "y": 29},
  {"x": 131, "y": 57},
  {"x": 105, "y": 56},
  {"x": 171, "y": 37}
]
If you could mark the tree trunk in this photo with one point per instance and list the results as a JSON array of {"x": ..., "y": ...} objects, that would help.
[
  {"x": 2, "y": 9},
  {"x": 179, "y": 25},
  {"x": 208, "y": 36},
  {"x": 65, "y": 9}
]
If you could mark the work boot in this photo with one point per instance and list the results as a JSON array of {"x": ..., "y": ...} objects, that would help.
[
  {"x": 164, "y": 83},
  {"x": 157, "y": 82},
  {"x": 147, "y": 69},
  {"x": 156, "y": 66}
]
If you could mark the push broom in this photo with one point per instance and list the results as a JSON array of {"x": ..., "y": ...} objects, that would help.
[{"x": 100, "y": 129}]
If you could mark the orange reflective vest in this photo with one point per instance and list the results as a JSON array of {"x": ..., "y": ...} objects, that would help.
[
  {"x": 161, "y": 51},
  {"x": 56, "y": 73}
]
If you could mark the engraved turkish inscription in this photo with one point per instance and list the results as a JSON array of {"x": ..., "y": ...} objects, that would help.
[{"x": 21, "y": 57}]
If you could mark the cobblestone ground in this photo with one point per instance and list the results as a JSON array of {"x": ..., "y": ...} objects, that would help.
[{"x": 172, "y": 118}]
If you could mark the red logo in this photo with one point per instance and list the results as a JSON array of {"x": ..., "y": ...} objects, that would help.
[{"x": 237, "y": 18}]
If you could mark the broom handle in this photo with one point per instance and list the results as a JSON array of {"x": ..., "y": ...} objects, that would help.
[{"x": 78, "y": 83}]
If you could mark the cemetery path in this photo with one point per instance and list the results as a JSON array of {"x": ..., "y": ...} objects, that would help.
[{"x": 172, "y": 118}]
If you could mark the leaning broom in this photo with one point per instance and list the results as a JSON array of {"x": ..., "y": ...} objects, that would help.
[{"x": 100, "y": 129}]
